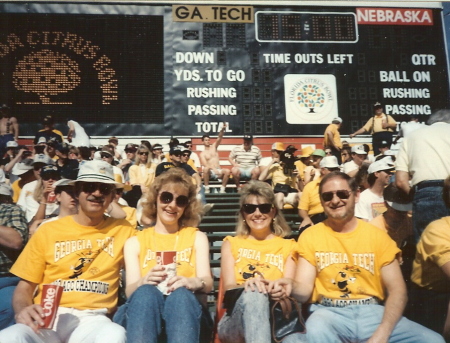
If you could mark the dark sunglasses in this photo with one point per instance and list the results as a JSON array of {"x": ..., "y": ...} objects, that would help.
[
  {"x": 167, "y": 198},
  {"x": 91, "y": 187},
  {"x": 105, "y": 155},
  {"x": 341, "y": 194},
  {"x": 328, "y": 152},
  {"x": 143, "y": 153},
  {"x": 263, "y": 208},
  {"x": 48, "y": 176},
  {"x": 186, "y": 155}
]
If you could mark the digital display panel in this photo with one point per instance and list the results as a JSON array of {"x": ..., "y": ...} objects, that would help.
[
  {"x": 301, "y": 27},
  {"x": 102, "y": 68}
]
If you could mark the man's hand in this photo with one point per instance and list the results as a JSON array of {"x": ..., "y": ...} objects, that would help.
[{"x": 32, "y": 316}]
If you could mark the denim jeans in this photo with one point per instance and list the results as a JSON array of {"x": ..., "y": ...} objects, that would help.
[
  {"x": 7, "y": 286},
  {"x": 357, "y": 323},
  {"x": 145, "y": 312},
  {"x": 428, "y": 206},
  {"x": 249, "y": 322}
]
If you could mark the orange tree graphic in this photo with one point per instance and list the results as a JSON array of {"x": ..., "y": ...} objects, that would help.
[
  {"x": 46, "y": 73},
  {"x": 311, "y": 96}
]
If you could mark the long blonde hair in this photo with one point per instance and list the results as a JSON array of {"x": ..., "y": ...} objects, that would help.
[
  {"x": 137, "y": 160},
  {"x": 261, "y": 190},
  {"x": 38, "y": 191}
]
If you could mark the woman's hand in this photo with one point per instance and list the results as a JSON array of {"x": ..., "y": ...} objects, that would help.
[
  {"x": 279, "y": 289},
  {"x": 256, "y": 283},
  {"x": 193, "y": 284},
  {"x": 156, "y": 275}
]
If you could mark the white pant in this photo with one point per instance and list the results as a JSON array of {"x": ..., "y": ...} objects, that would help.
[{"x": 71, "y": 326}]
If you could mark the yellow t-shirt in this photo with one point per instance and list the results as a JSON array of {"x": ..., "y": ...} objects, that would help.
[
  {"x": 182, "y": 242},
  {"x": 278, "y": 176},
  {"x": 310, "y": 199},
  {"x": 336, "y": 136},
  {"x": 433, "y": 251},
  {"x": 254, "y": 258},
  {"x": 348, "y": 265},
  {"x": 85, "y": 260},
  {"x": 140, "y": 175},
  {"x": 16, "y": 191},
  {"x": 301, "y": 169},
  {"x": 131, "y": 215},
  {"x": 377, "y": 126}
]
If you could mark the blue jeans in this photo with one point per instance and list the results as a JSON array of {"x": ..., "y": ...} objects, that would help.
[
  {"x": 3, "y": 140},
  {"x": 428, "y": 206},
  {"x": 357, "y": 323},
  {"x": 7, "y": 286},
  {"x": 249, "y": 322},
  {"x": 147, "y": 310}
]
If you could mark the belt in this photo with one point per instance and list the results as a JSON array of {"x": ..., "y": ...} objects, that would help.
[
  {"x": 347, "y": 302},
  {"x": 430, "y": 183}
]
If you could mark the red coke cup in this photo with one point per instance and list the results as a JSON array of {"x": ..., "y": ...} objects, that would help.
[{"x": 51, "y": 296}]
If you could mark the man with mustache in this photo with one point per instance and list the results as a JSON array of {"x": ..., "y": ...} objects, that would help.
[
  {"x": 83, "y": 253},
  {"x": 348, "y": 270}
]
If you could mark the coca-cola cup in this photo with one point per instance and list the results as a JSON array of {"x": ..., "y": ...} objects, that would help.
[
  {"x": 51, "y": 198},
  {"x": 167, "y": 259},
  {"x": 51, "y": 296}
]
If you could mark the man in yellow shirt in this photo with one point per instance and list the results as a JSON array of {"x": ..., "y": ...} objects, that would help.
[
  {"x": 83, "y": 253},
  {"x": 332, "y": 138}
]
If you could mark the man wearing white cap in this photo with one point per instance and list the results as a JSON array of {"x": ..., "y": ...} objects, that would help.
[
  {"x": 371, "y": 202},
  {"x": 13, "y": 235},
  {"x": 359, "y": 156},
  {"x": 332, "y": 138},
  {"x": 82, "y": 253}
]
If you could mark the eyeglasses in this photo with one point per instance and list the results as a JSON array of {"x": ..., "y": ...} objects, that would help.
[
  {"x": 328, "y": 152},
  {"x": 105, "y": 155},
  {"x": 52, "y": 176},
  {"x": 333, "y": 169},
  {"x": 341, "y": 194},
  {"x": 143, "y": 153},
  {"x": 167, "y": 198},
  {"x": 263, "y": 208},
  {"x": 91, "y": 187},
  {"x": 186, "y": 155}
]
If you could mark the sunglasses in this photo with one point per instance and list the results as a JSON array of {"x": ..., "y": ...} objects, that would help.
[
  {"x": 341, "y": 194},
  {"x": 105, "y": 155},
  {"x": 167, "y": 198},
  {"x": 328, "y": 152},
  {"x": 91, "y": 187},
  {"x": 186, "y": 155},
  {"x": 263, "y": 208},
  {"x": 143, "y": 153},
  {"x": 48, "y": 176}
]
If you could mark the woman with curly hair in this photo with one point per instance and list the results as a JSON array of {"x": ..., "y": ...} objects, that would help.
[
  {"x": 256, "y": 257},
  {"x": 155, "y": 298}
]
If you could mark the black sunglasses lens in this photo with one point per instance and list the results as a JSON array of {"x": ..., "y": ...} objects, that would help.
[
  {"x": 166, "y": 197},
  {"x": 91, "y": 187},
  {"x": 143, "y": 153},
  {"x": 265, "y": 208},
  {"x": 327, "y": 196},
  {"x": 344, "y": 194},
  {"x": 182, "y": 201},
  {"x": 105, "y": 155}
]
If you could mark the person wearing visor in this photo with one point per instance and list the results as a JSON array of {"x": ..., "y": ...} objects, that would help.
[
  {"x": 162, "y": 294},
  {"x": 82, "y": 253},
  {"x": 157, "y": 154},
  {"x": 371, "y": 202},
  {"x": 260, "y": 230}
]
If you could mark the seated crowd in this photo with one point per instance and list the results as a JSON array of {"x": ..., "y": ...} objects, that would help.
[{"x": 94, "y": 219}]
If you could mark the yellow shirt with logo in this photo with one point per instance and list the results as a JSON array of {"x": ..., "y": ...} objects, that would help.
[
  {"x": 374, "y": 127},
  {"x": 182, "y": 242},
  {"x": 433, "y": 251},
  {"x": 348, "y": 265},
  {"x": 255, "y": 258},
  {"x": 85, "y": 260}
]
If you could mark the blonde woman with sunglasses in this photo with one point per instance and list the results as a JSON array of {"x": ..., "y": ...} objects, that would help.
[
  {"x": 157, "y": 299},
  {"x": 256, "y": 257},
  {"x": 142, "y": 172}
]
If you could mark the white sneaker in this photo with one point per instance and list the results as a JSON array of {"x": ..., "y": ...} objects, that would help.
[
  {"x": 222, "y": 190},
  {"x": 207, "y": 191},
  {"x": 207, "y": 208}
]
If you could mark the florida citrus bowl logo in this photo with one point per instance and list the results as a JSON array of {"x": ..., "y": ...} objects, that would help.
[{"x": 310, "y": 99}]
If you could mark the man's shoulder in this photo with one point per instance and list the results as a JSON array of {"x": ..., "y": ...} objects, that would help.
[{"x": 255, "y": 148}]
